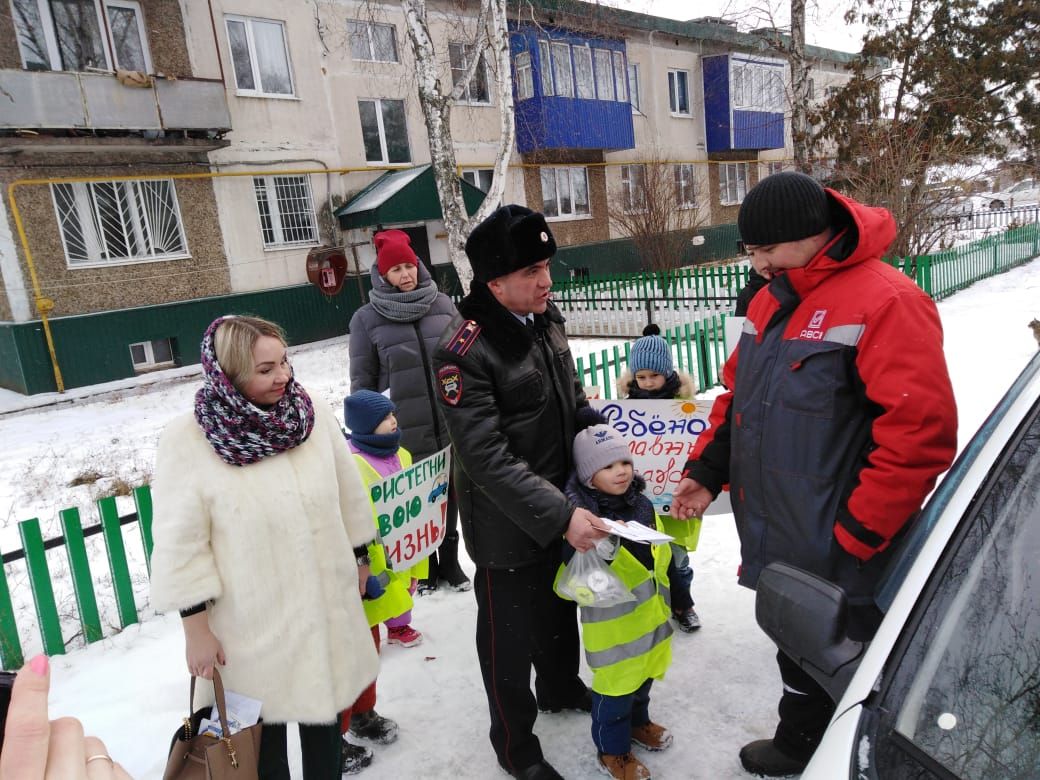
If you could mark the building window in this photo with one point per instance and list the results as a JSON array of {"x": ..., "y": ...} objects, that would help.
[
  {"x": 774, "y": 167},
  {"x": 460, "y": 56},
  {"x": 545, "y": 68},
  {"x": 620, "y": 77},
  {"x": 604, "y": 78},
  {"x": 524, "y": 76},
  {"x": 384, "y": 132},
  {"x": 685, "y": 186},
  {"x": 679, "y": 92},
  {"x": 286, "y": 210},
  {"x": 758, "y": 87},
  {"x": 563, "y": 78},
  {"x": 732, "y": 183},
  {"x": 633, "y": 188},
  {"x": 371, "y": 41},
  {"x": 565, "y": 193},
  {"x": 106, "y": 222},
  {"x": 259, "y": 56},
  {"x": 633, "y": 85},
  {"x": 71, "y": 34},
  {"x": 479, "y": 177},
  {"x": 583, "y": 73},
  {"x": 811, "y": 92},
  {"x": 150, "y": 355}
]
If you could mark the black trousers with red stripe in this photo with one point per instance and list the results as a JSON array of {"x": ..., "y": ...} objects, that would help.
[{"x": 521, "y": 622}]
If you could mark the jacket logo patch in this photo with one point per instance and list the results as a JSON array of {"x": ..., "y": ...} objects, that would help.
[
  {"x": 449, "y": 380},
  {"x": 814, "y": 331}
]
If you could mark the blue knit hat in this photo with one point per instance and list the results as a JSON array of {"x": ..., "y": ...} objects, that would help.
[
  {"x": 365, "y": 409},
  {"x": 651, "y": 353}
]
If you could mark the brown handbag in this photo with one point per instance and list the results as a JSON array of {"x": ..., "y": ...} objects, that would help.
[{"x": 195, "y": 756}]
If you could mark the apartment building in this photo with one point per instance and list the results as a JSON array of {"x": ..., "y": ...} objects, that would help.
[{"x": 159, "y": 156}]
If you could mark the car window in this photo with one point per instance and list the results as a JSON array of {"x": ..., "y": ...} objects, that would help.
[{"x": 963, "y": 700}]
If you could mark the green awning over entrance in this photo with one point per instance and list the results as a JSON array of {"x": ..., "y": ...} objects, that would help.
[{"x": 407, "y": 195}]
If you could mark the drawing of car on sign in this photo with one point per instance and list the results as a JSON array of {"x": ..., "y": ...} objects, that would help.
[{"x": 441, "y": 489}]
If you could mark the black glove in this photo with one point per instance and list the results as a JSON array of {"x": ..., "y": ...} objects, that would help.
[{"x": 586, "y": 417}]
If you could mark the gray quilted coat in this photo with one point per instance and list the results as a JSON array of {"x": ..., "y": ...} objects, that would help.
[{"x": 398, "y": 355}]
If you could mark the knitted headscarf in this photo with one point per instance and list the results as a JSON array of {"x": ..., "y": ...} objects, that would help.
[{"x": 239, "y": 431}]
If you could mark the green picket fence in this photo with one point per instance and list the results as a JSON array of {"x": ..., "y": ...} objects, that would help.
[
  {"x": 34, "y": 555},
  {"x": 703, "y": 283},
  {"x": 698, "y": 349}
]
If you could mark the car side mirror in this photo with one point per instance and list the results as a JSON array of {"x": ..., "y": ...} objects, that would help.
[{"x": 805, "y": 616}]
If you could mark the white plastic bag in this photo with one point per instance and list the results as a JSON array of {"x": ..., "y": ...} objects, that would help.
[{"x": 590, "y": 582}]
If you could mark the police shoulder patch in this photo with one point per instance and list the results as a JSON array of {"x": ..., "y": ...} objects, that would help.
[
  {"x": 464, "y": 338},
  {"x": 449, "y": 382}
]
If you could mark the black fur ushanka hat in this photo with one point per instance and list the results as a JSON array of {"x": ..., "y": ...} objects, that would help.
[{"x": 513, "y": 237}]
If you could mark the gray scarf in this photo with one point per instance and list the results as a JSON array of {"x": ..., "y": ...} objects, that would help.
[{"x": 399, "y": 306}]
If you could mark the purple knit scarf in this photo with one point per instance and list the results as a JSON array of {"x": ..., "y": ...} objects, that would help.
[{"x": 239, "y": 431}]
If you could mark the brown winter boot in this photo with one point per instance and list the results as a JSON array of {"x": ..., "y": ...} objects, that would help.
[
  {"x": 626, "y": 767},
  {"x": 651, "y": 736}
]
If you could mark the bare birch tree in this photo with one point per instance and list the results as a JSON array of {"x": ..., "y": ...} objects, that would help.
[{"x": 492, "y": 36}]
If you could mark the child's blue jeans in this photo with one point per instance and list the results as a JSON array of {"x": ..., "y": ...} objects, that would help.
[
  {"x": 614, "y": 716},
  {"x": 680, "y": 578}
]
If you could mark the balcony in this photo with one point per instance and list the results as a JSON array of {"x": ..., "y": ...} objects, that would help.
[
  {"x": 571, "y": 91},
  {"x": 38, "y": 101},
  {"x": 744, "y": 102}
]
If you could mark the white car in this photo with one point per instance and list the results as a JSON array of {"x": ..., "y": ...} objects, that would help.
[
  {"x": 950, "y": 686},
  {"x": 1025, "y": 193}
]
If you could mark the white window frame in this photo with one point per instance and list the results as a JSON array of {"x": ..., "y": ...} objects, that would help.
[
  {"x": 733, "y": 181},
  {"x": 467, "y": 51},
  {"x": 150, "y": 363},
  {"x": 772, "y": 166},
  {"x": 276, "y": 210},
  {"x": 369, "y": 29},
  {"x": 142, "y": 31},
  {"x": 603, "y": 74},
  {"x": 545, "y": 66},
  {"x": 633, "y": 87},
  {"x": 584, "y": 81},
  {"x": 633, "y": 188},
  {"x": 50, "y": 40},
  {"x": 685, "y": 175},
  {"x": 620, "y": 76},
  {"x": 524, "y": 76},
  {"x": 757, "y": 87},
  {"x": 84, "y": 211},
  {"x": 567, "y": 175},
  {"x": 673, "y": 92},
  {"x": 563, "y": 76},
  {"x": 385, "y": 155},
  {"x": 258, "y": 91},
  {"x": 475, "y": 175}
]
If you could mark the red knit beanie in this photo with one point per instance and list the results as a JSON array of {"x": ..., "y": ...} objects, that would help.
[{"x": 393, "y": 247}]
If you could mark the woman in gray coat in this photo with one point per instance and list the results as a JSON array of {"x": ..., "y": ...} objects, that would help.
[{"x": 392, "y": 339}]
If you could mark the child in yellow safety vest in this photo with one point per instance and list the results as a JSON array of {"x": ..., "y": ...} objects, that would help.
[
  {"x": 627, "y": 646},
  {"x": 375, "y": 441},
  {"x": 650, "y": 375}
]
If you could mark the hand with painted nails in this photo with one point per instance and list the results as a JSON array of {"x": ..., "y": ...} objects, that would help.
[{"x": 36, "y": 748}]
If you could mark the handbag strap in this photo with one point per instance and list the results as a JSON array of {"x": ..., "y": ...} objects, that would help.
[{"x": 218, "y": 691}]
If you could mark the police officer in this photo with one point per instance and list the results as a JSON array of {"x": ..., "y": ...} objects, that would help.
[{"x": 512, "y": 403}]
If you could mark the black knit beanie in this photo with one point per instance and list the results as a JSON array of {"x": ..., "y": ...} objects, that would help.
[{"x": 786, "y": 206}]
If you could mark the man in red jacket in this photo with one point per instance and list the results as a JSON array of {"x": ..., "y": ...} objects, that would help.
[{"x": 838, "y": 419}]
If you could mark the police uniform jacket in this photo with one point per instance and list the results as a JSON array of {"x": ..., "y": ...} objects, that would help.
[{"x": 509, "y": 394}]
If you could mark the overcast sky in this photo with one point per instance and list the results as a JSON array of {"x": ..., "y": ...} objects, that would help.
[{"x": 825, "y": 25}]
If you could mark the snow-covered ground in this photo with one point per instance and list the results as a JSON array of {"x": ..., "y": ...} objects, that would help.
[{"x": 721, "y": 691}]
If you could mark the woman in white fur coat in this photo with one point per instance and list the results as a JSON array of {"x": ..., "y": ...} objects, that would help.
[{"x": 261, "y": 526}]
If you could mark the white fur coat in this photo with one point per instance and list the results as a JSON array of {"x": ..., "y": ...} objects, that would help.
[{"x": 271, "y": 544}]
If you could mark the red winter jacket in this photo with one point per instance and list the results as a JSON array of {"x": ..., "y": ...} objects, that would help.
[{"x": 841, "y": 413}]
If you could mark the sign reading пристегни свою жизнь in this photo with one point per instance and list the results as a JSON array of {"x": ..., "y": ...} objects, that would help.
[{"x": 411, "y": 508}]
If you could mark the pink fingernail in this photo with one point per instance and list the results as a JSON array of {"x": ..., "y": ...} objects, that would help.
[{"x": 40, "y": 664}]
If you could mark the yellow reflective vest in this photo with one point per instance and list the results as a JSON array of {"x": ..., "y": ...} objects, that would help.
[
  {"x": 686, "y": 532},
  {"x": 395, "y": 599},
  {"x": 627, "y": 644}
]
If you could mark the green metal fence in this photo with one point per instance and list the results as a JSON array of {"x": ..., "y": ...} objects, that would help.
[{"x": 33, "y": 559}]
